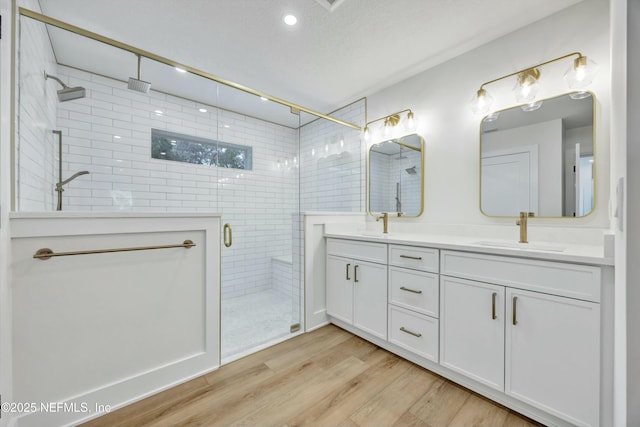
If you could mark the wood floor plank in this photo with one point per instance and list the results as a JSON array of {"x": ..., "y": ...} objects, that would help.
[
  {"x": 325, "y": 378},
  {"x": 287, "y": 404},
  {"x": 223, "y": 406},
  {"x": 152, "y": 406},
  {"x": 479, "y": 412},
  {"x": 441, "y": 403},
  {"x": 389, "y": 405},
  {"x": 409, "y": 420},
  {"x": 333, "y": 408},
  {"x": 302, "y": 352}
]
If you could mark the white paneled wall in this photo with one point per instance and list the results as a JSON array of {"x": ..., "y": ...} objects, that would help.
[
  {"x": 333, "y": 162},
  {"x": 37, "y": 152}
]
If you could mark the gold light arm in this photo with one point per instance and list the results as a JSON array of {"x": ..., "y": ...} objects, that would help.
[
  {"x": 532, "y": 68},
  {"x": 394, "y": 118},
  {"x": 94, "y": 36}
]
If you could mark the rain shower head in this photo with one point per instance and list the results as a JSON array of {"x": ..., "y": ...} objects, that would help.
[
  {"x": 411, "y": 170},
  {"x": 67, "y": 93},
  {"x": 137, "y": 84}
]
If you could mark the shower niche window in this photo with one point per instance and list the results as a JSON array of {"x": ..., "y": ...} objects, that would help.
[{"x": 200, "y": 151}]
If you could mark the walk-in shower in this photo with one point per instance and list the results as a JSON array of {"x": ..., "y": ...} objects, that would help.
[{"x": 216, "y": 150}]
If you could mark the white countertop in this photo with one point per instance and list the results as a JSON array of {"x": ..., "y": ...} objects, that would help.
[{"x": 583, "y": 254}]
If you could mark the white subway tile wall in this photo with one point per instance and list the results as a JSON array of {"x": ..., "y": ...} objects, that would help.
[
  {"x": 37, "y": 153},
  {"x": 109, "y": 134},
  {"x": 333, "y": 163}
]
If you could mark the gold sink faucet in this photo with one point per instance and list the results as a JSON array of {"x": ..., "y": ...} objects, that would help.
[
  {"x": 522, "y": 222},
  {"x": 385, "y": 221}
]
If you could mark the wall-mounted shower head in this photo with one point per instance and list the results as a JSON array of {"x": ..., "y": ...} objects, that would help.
[
  {"x": 411, "y": 170},
  {"x": 137, "y": 84},
  {"x": 67, "y": 93}
]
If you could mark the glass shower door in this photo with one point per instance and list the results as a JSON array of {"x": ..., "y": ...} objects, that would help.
[{"x": 258, "y": 197}]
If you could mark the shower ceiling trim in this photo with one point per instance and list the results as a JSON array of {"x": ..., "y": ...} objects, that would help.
[{"x": 94, "y": 36}]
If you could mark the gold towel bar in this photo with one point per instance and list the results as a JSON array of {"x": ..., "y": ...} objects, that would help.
[{"x": 46, "y": 253}]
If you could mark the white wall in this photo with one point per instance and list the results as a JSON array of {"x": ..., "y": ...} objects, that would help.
[
  {"x": 6, "y": 128},
  {"x": 440, "y": 99},
  {"x": 632, "y": 213}
]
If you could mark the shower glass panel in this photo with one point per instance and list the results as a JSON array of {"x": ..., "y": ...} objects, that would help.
[
  {"x": 260, "y": 295},
  {"x": 333, "y": 161},
  {"x": 233, "y": 154}
]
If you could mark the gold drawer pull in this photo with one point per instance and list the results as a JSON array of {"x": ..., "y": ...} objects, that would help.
[
  {"x": 493, "y": 305},
  {"x": 406, "y": 331},
  {"x": 418, "y": 258},
  {"x": 410, "y": 290},
  {"x": 514, "y": 321},
  {"x": 348, "y": 265},
  {"x": 355, "y": 273}
]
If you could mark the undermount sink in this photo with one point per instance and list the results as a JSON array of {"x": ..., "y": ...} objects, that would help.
[{"x": 522, "y": 246}]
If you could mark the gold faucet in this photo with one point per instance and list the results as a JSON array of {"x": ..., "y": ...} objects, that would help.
[
  {"x": 385, "y": 221},
  {"x": 522, "y": 222}
]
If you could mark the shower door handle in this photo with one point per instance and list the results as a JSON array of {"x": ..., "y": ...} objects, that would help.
[{"x": 228, "y": 235}]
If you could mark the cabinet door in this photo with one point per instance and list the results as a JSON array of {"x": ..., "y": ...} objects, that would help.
[
  {"x": 370, "y": 298},
  {"x": 553, "y": 354},
  {"x": 340, "y": 288},
  {"x": 472, "y": 329}
]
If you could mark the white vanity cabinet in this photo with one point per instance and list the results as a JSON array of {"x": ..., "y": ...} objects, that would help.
[
  {"x": 522, "y": 331},
  {"x": 413, "y": 299},
  {"x": 357, "y": 284},
  {"x": 542, "y": 348}
]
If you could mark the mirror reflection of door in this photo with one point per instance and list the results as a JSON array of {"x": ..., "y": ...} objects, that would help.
[
  {"x": 562, "y": 129},
  {"x": 510, "y": 181}
]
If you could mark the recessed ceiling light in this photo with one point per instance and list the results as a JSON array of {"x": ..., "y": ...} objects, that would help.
[
  {"x": 180, "y": 70},
  {"x": 158, "y": 112},
  {"x": 203, "y": 110},
  {"x": 117, "y": 136},
  {"x": 226, "y": 126},
  {"x": 290, "y": 19}
]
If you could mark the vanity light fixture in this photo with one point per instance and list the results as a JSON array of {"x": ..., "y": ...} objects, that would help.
[
  {"x": 579, "y": 75},
  {"x": 390, "y": 122}
]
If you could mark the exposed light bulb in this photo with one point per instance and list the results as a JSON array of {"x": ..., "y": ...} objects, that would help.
[
  {"x": 527, "y": 86},
  {"x": 581, "y": 73},
  {"x": 411, "y": 122},
  {"x": 387, "y": 127},
  {"x": 366, "y": 134},
  {"x": 481, "y": 102}
]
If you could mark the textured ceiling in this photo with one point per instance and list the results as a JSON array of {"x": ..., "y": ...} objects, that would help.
[{"x": 328, "y": 59}]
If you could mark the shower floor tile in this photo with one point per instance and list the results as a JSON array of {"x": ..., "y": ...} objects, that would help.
[{"x": 252, "y": 320}]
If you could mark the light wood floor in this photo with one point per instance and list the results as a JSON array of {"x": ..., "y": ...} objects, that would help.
[{"x": 326, "y": 378}]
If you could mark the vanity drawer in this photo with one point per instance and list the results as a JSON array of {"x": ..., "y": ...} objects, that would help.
[
  {"x": 365, "y": 251},
  {"x": 414, "y": 332},
  {"x": 415, "y": 290},
  {"x": 425, "y": 259},
  {"x": 556, "y": 278}
]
